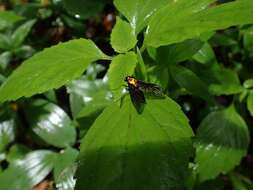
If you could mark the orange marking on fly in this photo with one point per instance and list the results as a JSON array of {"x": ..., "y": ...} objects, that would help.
[{"x": 132, "y": 81}]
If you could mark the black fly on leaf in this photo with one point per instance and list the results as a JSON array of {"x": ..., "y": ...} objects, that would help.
[{"x": 138, "y": 88}]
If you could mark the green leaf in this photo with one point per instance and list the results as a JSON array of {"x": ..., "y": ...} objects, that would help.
[
  {"x": 50, "y": 69},
  {"x": 120, "y": 67},
  {"x": 122, "y": 37},
  {"x": 87, "y": 97},
  {"x": 184, "y": 19},
  {"x": 250, "y": 102},
  {"x": 51, "y": 123},
  {"x": 5, "y": 59},
  {"x": 219, "y": 80},
  {"x": 7, "y": 133},
  {"x": 190, "y": 81},
  {"x": 17, "y": 152},
  {"x": 248, "y": 39},
  {"x": 84, "y": 8},
  {"x": 248, "y": 83},
  {"x": 126, "y": 150},
  {"x": 178, "y": 52},
  {"x": 7, "y": 18},
  {"x": 28, "y": 172},
  {"x": 4, "y": 42},
  {"x": 64, "y": 169},
  {"x": 20, "y": 33},
  {"x": 222, "y": 141},
  {"x": 139, "y": 12},
  {"x": 205, "y": 55}
]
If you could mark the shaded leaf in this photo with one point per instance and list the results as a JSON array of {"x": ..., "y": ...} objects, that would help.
[
  {"x": 250, "y": 102},
  {"x": 7, "y": 133},
  {"x": 20, "y": 33},
  {"x": 126, "y": 150},
  {"x": 190, "y": 81},
  {"x": 29, "y": 171},
  {"x": 222, "y": 141},
  {"x": 122, "y": 37},
  {"x": 183, "y": 20},
  {"x": 64, "y": 169},
  {"x": 7, "y": 18},
  {"x": 51, "y": 123},
  {"x": 50, "y": 69},
  {"x": 84, "y": 8},
  {"x": 17, "y": 152},
  {"x": 178, "y": 52}
]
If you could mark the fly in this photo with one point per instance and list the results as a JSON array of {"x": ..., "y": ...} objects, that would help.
[{"x": 138, "y": 88}]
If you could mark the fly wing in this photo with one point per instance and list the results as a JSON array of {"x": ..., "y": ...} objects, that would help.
[
  {"x": 151, "y": 89},
  {"x": 137, "y": 96}
]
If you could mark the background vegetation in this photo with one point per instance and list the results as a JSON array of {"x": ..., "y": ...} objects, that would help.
[{"x": 66, "y": 124}]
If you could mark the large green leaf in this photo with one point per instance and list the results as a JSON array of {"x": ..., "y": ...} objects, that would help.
[
  {"x": 121, "y": 67},
  {"x": 7, "y": 133},
  {"x": 25, "y": 173},
  {"x": 20, "y": 33},
  {"x": 185, "y": 19},
  {"x": 139, "y": 12},
  {"x": 50, "y": 69},
  {"x": 122, "y": 37},
  {"x": 126, "y": 150},
  {"x": 190, "y": 81},
  {"x": 51, "y": 123},
  {"x": 222, "y": 141}
]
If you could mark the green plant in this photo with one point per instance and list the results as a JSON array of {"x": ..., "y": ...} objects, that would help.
[{"x": 170, "y": 43}]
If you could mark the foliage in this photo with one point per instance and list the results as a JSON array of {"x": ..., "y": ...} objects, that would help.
[{"x": 67, "y": 119}]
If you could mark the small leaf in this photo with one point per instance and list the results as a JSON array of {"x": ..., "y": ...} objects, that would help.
[
  {"x": 20, "y": 33},
  {"x": 84, "y": 8},
  {"x": 64, "y": 169},
  {"x": 121, "y": 67},
  {"x": 17, "y": 152},
  {"x": 127, "y": 150},
  {"x": 248, "y": 39},
  {"x": 250, "y": 102},
  {"x": 51, "y": 123},
  {"x": 185, "y": 19},
  {"x": 5, "y": 59},
  {"x": 205, "y": 54},
  {"x": 4, "y": 42},
  {"x": 7, "y": 133},
  {"x": 222, "y": 141},
  {"x": 50, "y": 69},
  {"x": 178, "y": 52},
  {"x": 139, "y": 12},
  {"x": 28, "y": 172},
  {"x": 122, "y": 37},
  {"x": 248, "y": 83},
  {"x": 190, "y": 81},
  {"x": 7, "y": 18},
  {"x": 88, "y": 96}
]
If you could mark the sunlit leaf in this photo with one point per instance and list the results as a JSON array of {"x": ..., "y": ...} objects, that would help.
[
  {"x": 29, "y": 171},
  {"x": 51, "y": 123},
  {"x": 50, "y": 69},
  {"x": 7, "y": 133},
  {"x": 121, "y": 67},
  {"x": 64, "y": 169},
  {"x": 122, "y": 37},
  {"x": 185, "y": 19}
]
